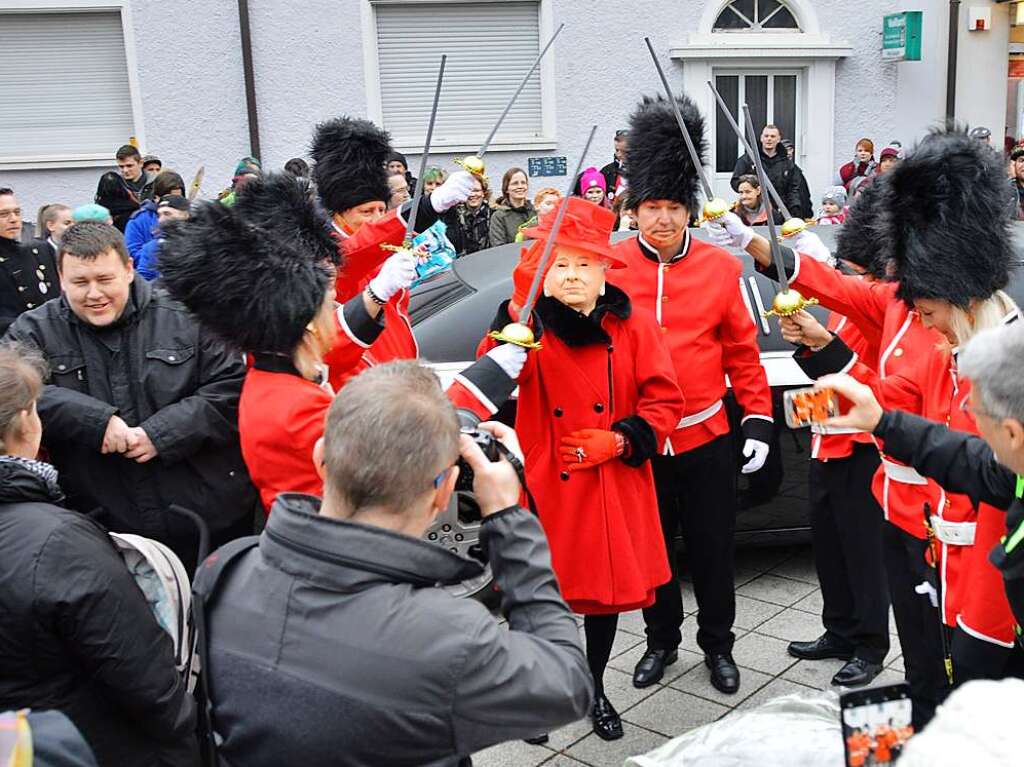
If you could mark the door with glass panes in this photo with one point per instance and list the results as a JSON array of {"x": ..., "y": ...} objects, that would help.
[{"x": 773, "y": 96}]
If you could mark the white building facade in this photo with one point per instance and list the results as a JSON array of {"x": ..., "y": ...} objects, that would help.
[{"x": 79, "y": 77}]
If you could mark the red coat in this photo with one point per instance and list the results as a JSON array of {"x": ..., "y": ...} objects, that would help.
[
  {"x": 606, "y": 542},
  {"x": 901, "y": 341},
  {"x": 709, "y": 333},
  {"x": 836, "y": 444}
]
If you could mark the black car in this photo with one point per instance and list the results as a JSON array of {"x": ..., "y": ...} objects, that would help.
[{"x": 451, "y": 313}]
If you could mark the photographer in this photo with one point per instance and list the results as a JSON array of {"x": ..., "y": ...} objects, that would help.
[
  {"x": 334, "y": 638},
  {"x": 985, "y": 469}
]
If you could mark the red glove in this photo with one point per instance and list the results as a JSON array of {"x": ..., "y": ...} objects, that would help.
[
  {"x": 588, "y": 448},
  {"x": 522, "y": 276}
]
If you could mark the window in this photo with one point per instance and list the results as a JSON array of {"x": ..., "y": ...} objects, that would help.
[
  {"x": 67, "y": 94},
  {"x": 756, "y": 16},
  {"x": 772, "y": 98},
  {"x": 490, "y": 46}
]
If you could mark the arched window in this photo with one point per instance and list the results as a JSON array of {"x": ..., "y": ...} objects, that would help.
[{"x": 756, "y": 16}]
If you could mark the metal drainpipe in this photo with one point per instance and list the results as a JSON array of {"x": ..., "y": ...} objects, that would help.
[
  {"x": 250, "y": 79},
  {"x": 954, "y": 38}
]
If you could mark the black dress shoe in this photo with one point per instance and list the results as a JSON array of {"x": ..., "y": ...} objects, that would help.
[
  {"x": 725, "y": 677},
  {"x": 607, "y": 724},
  {"x": 821, "y": 648},
  {"x": 651, "y": 667},
  {"x": 856, "y": 673},
  {"x": 540, "y": 740}
]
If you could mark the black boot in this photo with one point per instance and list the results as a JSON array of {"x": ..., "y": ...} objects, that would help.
[{"x": 607, "y": 724}]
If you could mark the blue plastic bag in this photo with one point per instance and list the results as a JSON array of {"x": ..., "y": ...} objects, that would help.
[{"x": 439, "y": 252}]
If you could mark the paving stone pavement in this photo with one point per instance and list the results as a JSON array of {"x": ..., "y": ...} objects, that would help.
[{"x": 777, "y": 601}]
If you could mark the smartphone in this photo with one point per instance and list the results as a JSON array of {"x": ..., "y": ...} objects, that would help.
[
  {"x": 876, "y": 724},
  {"x": 806, "y": 406}
]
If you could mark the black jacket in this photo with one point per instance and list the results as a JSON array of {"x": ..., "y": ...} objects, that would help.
[
  {"x": 784, "y": 175},
  {"x": 168, "y": 376},
  {"x": 78, "y": 636},
  {"x": 28, "y": 278},
  {"x": 332, "y": 643},
  {"x": 962, "y": 463},
  {"x": 468, "y": 229}
]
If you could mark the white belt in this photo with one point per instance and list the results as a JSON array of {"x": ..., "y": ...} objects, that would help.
[
  {"x": 816, "y": 429},
  {"x": 701, "y": 417},
  {"x": 905, "y": 474},
  {"x": 954, "y": 533}
]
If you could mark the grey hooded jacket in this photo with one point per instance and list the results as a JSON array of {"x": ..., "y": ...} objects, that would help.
[{"x": 331, "y": 644}]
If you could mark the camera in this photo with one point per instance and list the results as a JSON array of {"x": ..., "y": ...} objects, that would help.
[{"x": 485, "y": 441}]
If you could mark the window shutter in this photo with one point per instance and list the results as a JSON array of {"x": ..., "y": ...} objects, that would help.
[
  {"x": 490, "y": 46},
  {"x": 65, "y": 85}
]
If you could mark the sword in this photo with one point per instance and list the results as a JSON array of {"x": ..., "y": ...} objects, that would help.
[
  {"x": 947, "y": 654},
  {"x": 519, "y": 333},
  {"x": 475, "y": 163},
  {"x": 410, "y": 226},
  {"x": 792, "y": 225},
  {"x": 714, "y": 207},
  {"x": 193, "y": 188},
  {"x": 787, "y": 301}
]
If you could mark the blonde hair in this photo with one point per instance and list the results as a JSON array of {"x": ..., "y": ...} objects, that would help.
[
  {"x": 539, "y": 197},
  {"x": 990, "y": 313},
  {"x": 319, "y": 338}
]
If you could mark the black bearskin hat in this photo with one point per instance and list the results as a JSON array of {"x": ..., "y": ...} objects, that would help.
[
  {"x": 858, "y": 241},
  {"x": 350, "y": 157},
  {"x": 257, "y": 272},
  {"x": 943, "y": 222},
  {"x": 657, "y": 164}
]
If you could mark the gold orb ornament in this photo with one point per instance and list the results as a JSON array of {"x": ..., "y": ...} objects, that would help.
[
  {"x": 793, "y": 226},
  {"x": 516, "y": 333},
  {"x": 473, "y": 164},
  {"x": 789, "y": 302},
  {"x": 715, "y": 209}
]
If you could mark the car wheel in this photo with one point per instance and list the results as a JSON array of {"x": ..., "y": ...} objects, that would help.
[{"x": 457, "y": 529}]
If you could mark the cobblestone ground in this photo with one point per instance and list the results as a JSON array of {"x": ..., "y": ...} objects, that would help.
[{"x": 777, "y": 601}]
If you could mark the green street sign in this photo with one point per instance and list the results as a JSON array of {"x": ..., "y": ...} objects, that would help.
[{"x": 901, "y": 36}]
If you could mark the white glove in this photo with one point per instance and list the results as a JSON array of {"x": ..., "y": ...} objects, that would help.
[
  {"x": 757, "y": 452},
  {"x": 456, "y": 188},
  {"x": 810, "y": 244},
  {"x": 729, "y": 231},
  {"x": 398, "y": 272},
  {"x": 925, "y": 588},
  {"x": 510, "y": 358}
]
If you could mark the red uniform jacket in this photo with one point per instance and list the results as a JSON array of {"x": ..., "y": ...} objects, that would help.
[
  {"x": 840, "y": 444},
  {"x": 613, "y": 373},
  {"x": 709, "y": 333},
  {"x": 362, "y": 256},
  {"x": 901, "y": 341},
  {"x": 973, "y": 595}
]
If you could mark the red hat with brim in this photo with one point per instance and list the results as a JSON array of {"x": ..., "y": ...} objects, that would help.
[{"x": 585, "y": 226}]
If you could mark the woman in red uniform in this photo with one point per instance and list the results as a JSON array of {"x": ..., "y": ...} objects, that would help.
[
  {"x": 595, "y": 403},
  {"x": 261, "y": 274},
  {"x": 946, "y": 199}
]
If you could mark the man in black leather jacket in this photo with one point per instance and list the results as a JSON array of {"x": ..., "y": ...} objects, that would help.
[{"x": 141, "y": 408}]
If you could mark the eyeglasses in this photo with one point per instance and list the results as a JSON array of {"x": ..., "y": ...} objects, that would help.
[
  {"x": 439, "y": 479},
  {"x": 10, "y": 213}
]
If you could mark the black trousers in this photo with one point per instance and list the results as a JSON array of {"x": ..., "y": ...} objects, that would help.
[
  {"x": 846, "y": 530},
  {"x": 697, "y": 496},
  {"x": 917, "y": 622}
]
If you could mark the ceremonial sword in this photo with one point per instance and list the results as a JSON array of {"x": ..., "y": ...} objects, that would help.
[
  {"x": 791, "y": 225},
  {"x": 715, "y": 207},
  {"x": 410, "y": 225},
  {"x": 520, "y": 333},
  {"x": 787, "y": 301},
  {"x": 475, "y": 163},
  {"x": 947, "y": 654}
]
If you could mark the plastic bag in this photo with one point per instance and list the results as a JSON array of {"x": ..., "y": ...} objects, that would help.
[
  {"x": 439, "y": 251},
  {"x": 798, "y": 730}
]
